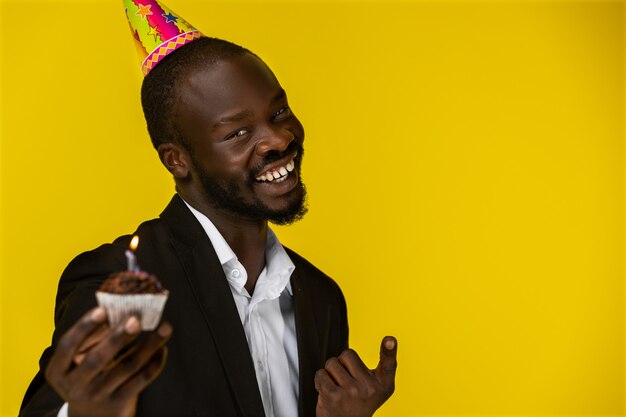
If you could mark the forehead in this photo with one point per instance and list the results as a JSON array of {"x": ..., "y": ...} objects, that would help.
[{"x": 241, "y": 83}]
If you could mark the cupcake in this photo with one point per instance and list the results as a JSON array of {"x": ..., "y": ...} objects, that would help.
[{"x": 133, "y": 293}]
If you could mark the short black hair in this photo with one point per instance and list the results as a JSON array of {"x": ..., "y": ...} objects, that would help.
[{"x": 159, "y": 91}]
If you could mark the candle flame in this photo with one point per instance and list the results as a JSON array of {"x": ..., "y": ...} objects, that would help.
[{"x": 134, "y": 242}]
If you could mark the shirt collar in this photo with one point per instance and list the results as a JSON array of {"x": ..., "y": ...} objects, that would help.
[
  {"x": 278, "y": 265},
  {"x": 222, "y": 249}
]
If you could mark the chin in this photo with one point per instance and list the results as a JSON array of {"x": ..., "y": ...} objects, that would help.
[{"x": 293, "y": 211}]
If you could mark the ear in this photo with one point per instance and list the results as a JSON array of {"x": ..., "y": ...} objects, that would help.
[{"x": 176, "y": 159}]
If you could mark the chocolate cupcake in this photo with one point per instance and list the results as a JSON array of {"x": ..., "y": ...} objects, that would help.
[{"x": 133, "y": 293}]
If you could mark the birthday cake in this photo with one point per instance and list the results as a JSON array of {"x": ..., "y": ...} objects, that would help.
[
  {"x": 133, "y": 293},
  {"x": 127, "y": 282}
]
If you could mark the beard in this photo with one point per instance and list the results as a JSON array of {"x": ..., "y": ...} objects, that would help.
[{"x": 227, "y": 196}]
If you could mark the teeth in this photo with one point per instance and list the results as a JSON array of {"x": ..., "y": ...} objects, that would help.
[{"x": 279, "y": 174}]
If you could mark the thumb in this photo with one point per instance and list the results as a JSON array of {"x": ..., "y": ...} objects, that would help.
[{"x": 386, "y": 369}]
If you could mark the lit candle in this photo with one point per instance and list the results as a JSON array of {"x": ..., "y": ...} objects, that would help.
[{"x": 130, "y": 255}]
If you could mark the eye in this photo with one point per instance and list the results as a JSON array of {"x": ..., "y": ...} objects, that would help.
[
  {"x": 282, "y": 113},
  {"x": 237, "y": 134}
]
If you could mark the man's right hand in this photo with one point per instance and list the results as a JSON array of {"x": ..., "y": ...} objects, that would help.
[{"x": 102, "y": 384}]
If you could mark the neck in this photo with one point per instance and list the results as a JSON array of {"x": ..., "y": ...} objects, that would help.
[{"x": 247, "y": 238}]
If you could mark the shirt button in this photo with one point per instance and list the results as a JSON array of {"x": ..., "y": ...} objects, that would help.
[
  {"x": 259, "y": 365},
  {"x": 235, "y": 273}
]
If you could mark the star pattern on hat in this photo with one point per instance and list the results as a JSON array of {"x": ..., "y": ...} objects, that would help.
[
  {"x": 154, "y": 31},
  {"x": 169, "y": 17},
  {"x": 157, "y": 30},
  {"x": 144, "y": 11}
]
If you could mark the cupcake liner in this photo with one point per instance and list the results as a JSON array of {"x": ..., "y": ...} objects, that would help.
[{"x": 146, "y": 307}]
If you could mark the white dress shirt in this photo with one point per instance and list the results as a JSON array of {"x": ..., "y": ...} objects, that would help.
[{"x": 267, "y": 317}]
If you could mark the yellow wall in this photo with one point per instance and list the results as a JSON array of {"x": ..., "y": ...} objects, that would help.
[{"x": 465, "y": 162}]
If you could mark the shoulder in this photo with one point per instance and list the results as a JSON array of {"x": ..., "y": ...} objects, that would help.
[
  {"x": 305, "y": 266},
  {"x": 110, "y": 256},
  {"x": 317, "y": 293},
  {"x": 313, "y": 278}
]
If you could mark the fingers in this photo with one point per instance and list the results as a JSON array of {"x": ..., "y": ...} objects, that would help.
[
  {"x": 96, "y": 367},
  {"x": 324, "y": 383},
  {"x": 101, "y": 356},
  {"x": 70, "y": 342},
  {"x": 144, "y": 377},
  {"x": 386, "y": 369},
  {"x": 347, "y": 387},
  {"x": 93, "y": 339},
  {"x": 336, "y": 370},
  {"x": 141, "y": 360},
  {"x": 354, "y": 364}
]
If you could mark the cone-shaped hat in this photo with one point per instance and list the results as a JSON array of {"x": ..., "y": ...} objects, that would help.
[{"x": 157, "y": 31}]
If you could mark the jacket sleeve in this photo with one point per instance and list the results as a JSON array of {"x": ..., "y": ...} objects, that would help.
[{"x": 75, "y": 296}]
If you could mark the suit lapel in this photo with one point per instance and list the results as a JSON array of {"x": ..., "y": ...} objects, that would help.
[
  {"x": 309, "y": 356},
  {"x": 206, "y": 278}
]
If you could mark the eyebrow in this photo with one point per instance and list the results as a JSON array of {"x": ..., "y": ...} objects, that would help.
[
  {"x": 237, "y": 117},
  {"x": 281, "y": 95}
]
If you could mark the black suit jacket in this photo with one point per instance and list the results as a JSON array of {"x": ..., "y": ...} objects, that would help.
[{"x": 209, "y": 370}]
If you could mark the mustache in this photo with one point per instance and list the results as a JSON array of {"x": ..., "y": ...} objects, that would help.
[{"x": 273, "y": 156}]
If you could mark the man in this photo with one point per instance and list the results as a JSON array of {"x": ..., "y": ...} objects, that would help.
[{"x": 251, "y": 328}]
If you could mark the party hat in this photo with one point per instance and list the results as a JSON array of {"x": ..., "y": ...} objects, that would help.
[{"x": 157, "y": 31}]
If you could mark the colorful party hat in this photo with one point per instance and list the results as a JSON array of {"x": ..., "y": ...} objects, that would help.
[{"x": 157, "y": 31}]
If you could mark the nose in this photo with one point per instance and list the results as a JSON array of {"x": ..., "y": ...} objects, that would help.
[{"x": 275, "y": 139}]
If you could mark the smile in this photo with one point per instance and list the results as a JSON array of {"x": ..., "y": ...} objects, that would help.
[{"x": 278, "y": 174}]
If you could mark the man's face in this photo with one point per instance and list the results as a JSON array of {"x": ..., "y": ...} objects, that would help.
[{"x": 244, "y": 140}]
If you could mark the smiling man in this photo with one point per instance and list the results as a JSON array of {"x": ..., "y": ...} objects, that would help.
[{"x": 252, "y": 328}]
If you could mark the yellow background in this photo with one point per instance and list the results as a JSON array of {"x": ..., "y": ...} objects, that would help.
[{"x": 465, "y": 163}]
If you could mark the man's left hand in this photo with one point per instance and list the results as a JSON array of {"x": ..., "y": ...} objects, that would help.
[{"x": 347, "y": 388}]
